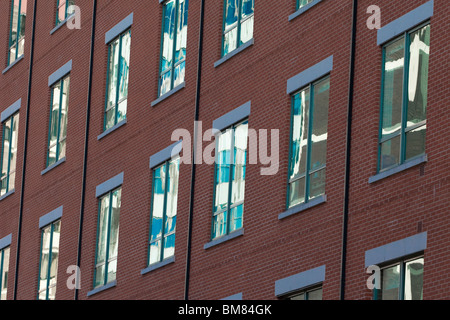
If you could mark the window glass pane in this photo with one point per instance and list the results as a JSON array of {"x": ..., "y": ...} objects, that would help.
[
  {"x": 103, "y": 229},
  {"x": 315, "y": 294},
  {"x": 319, "y": 133},
  {"x": 70, "y": 9},
  {"x": 247, "y": 30},
  {"x": 22, "y": 18},
  {"x": 112, "y": 271},
  {"x": 180, "y": 50},
  {"x": 113, "y": 70},
  {"x": 110, "y": 118},
  {"x": 52, "y": 292},
  {"x": 236, "y": 219},
  {"x": 393, "y": 87},
  {"x": 165, "y": 85},
  {"x": 54, "y": 255},
  {"x": 414, "y": 280},
  {"x": 390, "y": 153},
  {"x": 172, "y": 196},
  {"x": 415, "y": 142},
  {"x": 14, "y": 23},
  {"x": 222, "y": 170},
  {"x": 299, "y": 143},
  {"x": 124, "y": 66},
  {"x": 99, "y": 276},
  {"x": 43, "y": 295},
  {"x": 61, "y": 15},
  {"x": 168, "y": 35},
  {"x": 390, "y": 283},
  {"x": 64, "y": 108},
  {"x": 418, "y": 75},
  {"x": 230, "y": 41},
  {"x": 4, "y": 275},
  {"x": 114, "y": 225},
  {"x": 63, "y": 120},
  {"x": 155, "y": 252},
  {"x": 13, "y": 154},
  {"x": 169, "y": 246},
  {"x": 298, "y": 297},
  {"x": 317, "y": 183},
  {"x": 45, "y": 257},
  {"x": 54, "y": 123},
  {"x": 179, "y": 74},
  {"x": 248, "y": 7},
  {"x": 231, "y": 13},
  {"x": 302, "y": 3},
  {"x": 240, "y": 160},
  {"x": 219, "y": 225},
  {"x": 158, "y": 202},
  {"x": 297, "y": 192},
  {"x": 5, "y": 157}
]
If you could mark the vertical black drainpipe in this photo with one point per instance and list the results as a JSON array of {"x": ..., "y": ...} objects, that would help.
[
  {"x": 348, "y": 150},
  {"x": 25, "y": 149},
  {"x": 86, "y": 140},
  {"x": 194, "y": 153}
]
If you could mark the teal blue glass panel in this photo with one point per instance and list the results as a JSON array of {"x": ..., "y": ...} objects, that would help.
[
  {"x": 393, "y": 87},
  {"x": 236, "y": 219},
  {"x": 299, "y": 139},
  {"x": 319, "y": 134},
  {"x": 180, "y": 50},
  {"x": 390, "y": 153},
  {"x": 158, "y": 202},
  {"x": 419, "y": 46},
  {"x": 168, "y": 35},
  {"x": 220, "y": 225},
  {"x": 414, "y": 279},
  {"x": 390, "y": 283}
]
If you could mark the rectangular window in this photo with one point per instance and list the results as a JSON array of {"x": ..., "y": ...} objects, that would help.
[
  {"x": 312, "y": 294},
  {"x": 237, "y": 24},
  {"x": 117, "y": 80},
  {"x": 302, "y": 3},
  {"x": 173, "y": 45},
  {"x": 164, "y": 211},
  {"x": 58, "y": 121},
  {"x": 404, "y": 98},
  {"x": 48, "y": 265},
  {"x": 17, "y": 29},
  {"x": 231, "y": 159},
  {"x": 402, "y": 281},
  {"x": 309, "y": 133},
  {"x": 107, "y": 238},
  {"x": 63, "y": 10},
  {"x": 9, "y": 153},
  {"x": 4, "y": 270}
]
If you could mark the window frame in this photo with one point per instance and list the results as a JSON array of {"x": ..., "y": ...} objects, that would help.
[
  {"x": 308, "y": 171},
  {"x": 404, "y": 129},
  {"x": 238, "y": 26},
  {"x": 117, "y": 84},
  {"x": 2, "y": 267},
  {"x": 59, "y": 140},
  {"x": 230, "y": 180},
  {"x": 8, "y": 172},
  {"x": 107, "y": 251},
  {"x": 402, "y": 264},
  {"x": 18, "y": 40},
  {"x": 48, "y": 271},
  {"x": 174, "y": 64},
  {"x": 163, "y": 235}
]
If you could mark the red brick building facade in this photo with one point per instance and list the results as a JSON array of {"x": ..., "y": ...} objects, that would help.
[{"x": 366, "y": 216}]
